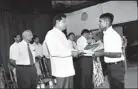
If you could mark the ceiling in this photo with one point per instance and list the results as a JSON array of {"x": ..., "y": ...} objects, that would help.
[
  {"x": 72, "y": 5},
  {"x": 68, "y": 3},
  {"x": 46, "y": 6}
]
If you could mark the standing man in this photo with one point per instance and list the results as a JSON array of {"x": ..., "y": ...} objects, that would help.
[
  {"x": 82, "y": 41},
  {"x": 17, "y": 39},
  {"x": 25, "y": 60},
  {"x": 86, "y": 61},
  {"x": 72, "y": 43},
  {"x": 73, "y": 47},
  {"x": 38, "y": 47},
  {"x": 60, "y": 53},
  {"x": 13, "y": 48},
  {"x": 38, "y": 53},
  {"x": 112, "y": 53}
]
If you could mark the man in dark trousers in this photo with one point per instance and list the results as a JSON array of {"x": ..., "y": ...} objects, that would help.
[
  {"x": 112, "y": 52},
  {"x": 13, "y": 47},
  {"x": 25, "y": 60},
  {"x": 85, "y": 62}
]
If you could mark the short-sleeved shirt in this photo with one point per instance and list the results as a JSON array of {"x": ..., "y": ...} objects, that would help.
[
  {"x": 73, "y": 45},
  {"x": 112, "y": 43},
  {"x": 21, "y": 54},
  {"x": 12, "y": 50},
  {"x": 38, "y": 49},
  {"x": 82, "y": 43}
]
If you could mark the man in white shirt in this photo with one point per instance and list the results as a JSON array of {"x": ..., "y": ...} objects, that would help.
[
  {"x": 13, "y": 48},
  {"x": 38, "y": 53},
  {"x": 25, "y": 60},
  {"x": 86, "y": 62},
  {"x": 60, "y": 53},
  {"x": 82, "y": 41},
  {"x": 17, "y": 39},
  {"x": 112, "y": 53},
  {"x": 73, "y": 45},
  {"x": 38, "y": 47}
]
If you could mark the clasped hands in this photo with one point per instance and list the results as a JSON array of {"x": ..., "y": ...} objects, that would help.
[{"x": 77, "y": 53}]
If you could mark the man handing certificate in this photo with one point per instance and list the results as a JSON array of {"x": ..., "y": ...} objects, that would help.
[{"x": 90, "y": 49}]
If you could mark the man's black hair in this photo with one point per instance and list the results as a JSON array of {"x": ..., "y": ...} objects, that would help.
[
  {"x": 15, "y": 35},
  {"x": 71, "y": 33},
  {"x": 85, "y": 31},
  {"x": 108, "y": 16},
  {"x": 58, "y": 17},
  {"x": 34, "y": 37}
]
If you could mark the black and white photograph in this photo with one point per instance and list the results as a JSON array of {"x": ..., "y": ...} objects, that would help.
[{"x": 68, "y": 44}]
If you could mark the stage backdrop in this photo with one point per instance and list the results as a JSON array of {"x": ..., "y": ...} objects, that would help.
[{"x": 12, "y": 23}]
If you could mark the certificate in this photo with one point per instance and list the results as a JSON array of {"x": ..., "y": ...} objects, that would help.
[{"x": 95, "y": 47}]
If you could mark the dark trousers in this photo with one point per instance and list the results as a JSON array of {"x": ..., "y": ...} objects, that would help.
[
  {"x": 76, "y": 63},
  {"x": 116, "y": 74},
  {"x": 86, "y": 72},
  {"x": 104, "y": 65},
  {"x": 26, "y": 77},
  {"x": 64, "y": 83}
]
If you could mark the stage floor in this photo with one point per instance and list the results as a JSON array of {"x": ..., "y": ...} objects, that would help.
[{"x": 130, "y": 79}]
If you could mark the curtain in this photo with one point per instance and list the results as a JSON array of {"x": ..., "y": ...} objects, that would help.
[{"x": 12, "y": 23}]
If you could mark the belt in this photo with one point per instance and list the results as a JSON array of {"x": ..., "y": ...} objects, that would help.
[
  {"x": 26, "y": 65},
  {"x": 86, "y": 56},
  {"x": 115, "y": 62}
]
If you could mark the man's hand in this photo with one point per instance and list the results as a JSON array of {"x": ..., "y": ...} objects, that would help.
[
  {"x": 12, "y": 63},
  {"x": 75, "y": 53},
  {"x": 82, "y": 54},
  {"x": 37, "y": 58},
  {"x": 99, "y": 53}
]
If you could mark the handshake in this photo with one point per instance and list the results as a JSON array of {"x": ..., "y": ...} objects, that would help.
[{"x": 77, "y": 53}]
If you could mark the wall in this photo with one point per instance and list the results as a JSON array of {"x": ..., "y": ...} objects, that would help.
[
  {"x": 124, "y": 11},
  {"x": 75, "y": 24},
  {"x": 119, "y": 29}
]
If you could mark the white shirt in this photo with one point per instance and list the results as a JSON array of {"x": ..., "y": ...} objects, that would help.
[
  {"x": 112, "y": 43},
  {"x": 13, "y": 49},
  {"x": 45, "y": 50},
  {"x": 22, "y": 55},
  {"x": 82, "y": 43},
  {"x": 38, "y": 49},
  {"x": 12, "y": 54},
  {"x": 72, "y": 45},
  {"x": 60, "y": 53}
]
